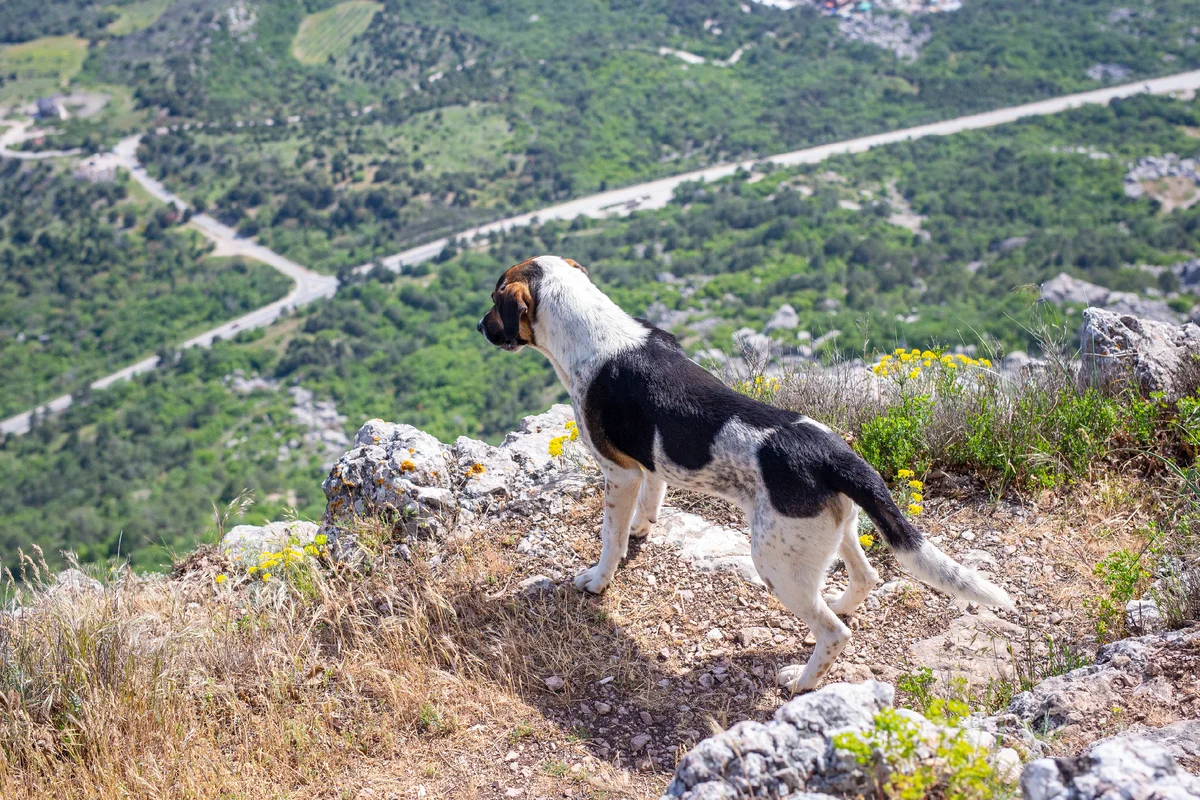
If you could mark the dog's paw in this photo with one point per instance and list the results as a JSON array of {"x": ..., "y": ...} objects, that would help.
[
  {"x": 641, "y": 528},
  {"x": 790, "y": 679},
  {"x": 592, "y": 580}
]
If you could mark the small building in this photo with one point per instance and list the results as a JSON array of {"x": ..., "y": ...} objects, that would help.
[
  {"x": 50, "y": 108},
  {"x": 98, "y": 168}
]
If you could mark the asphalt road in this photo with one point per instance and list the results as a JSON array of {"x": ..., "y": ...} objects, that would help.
[{"x": 310, "y": 285}]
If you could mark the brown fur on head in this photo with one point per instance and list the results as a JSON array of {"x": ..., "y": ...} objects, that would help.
[{"x": 509, "y": 323}]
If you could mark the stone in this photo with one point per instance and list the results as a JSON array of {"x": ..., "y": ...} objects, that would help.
[
  {"x": 1158, "y": 356},
  {"x": 639, "y": 741},
  {"x": 423, "y": 486},
  {"x": 1143, "y": 616},
  {"x": 973, "y": 646},
  {"x": 1086, "y": 692},
  {"x": 785, "y": 318},
  {"x": 752, "y": 343},
  {"x": 1130, "y": 767},
  {"x": 789, "y": 755},
  {"x": 73, "y": 582},
  {"x": 705, "y": 545},
  {"x": 755, "y": 635},
  {"x": 1065, "y": 289},
  {"x": 535, "y": 584},
  {"x": 245, "y": 542},
  {"x": 1007, "y": 763},
  {"x": 555, "y": 683}
]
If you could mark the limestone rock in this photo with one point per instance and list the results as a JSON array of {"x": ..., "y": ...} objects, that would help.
[
  {"x": 1143, "y": 616},
  {"x": 1130, "y": 767},
  {"x": 243, "y": 540},
  {"x": 1088, "y": 691},
  {"x": 421, "y": 485},
  {"x": 973, "y": 646},
  {"x": 1158, "y": 356},
  {"x": 705, "y": 545},
  {"x": 1065, "y": 289},
  {"x": 784, "y": 318},
  {"x": 74, "y": 582},
  {"x": 791, "y": 753}
]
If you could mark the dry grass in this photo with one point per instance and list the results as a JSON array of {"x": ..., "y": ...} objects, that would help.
[{"x": 190, "y": 688}]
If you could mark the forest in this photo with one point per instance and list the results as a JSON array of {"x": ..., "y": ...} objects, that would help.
[
  {"x": 998, "y": 211},
  {"x": 94, "y": 276}
]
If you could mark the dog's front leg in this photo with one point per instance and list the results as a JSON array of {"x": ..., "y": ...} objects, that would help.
[{"x": 620, "y": 495}]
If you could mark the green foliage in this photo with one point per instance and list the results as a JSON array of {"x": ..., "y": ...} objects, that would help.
[
  {"x": 91, "y": 280},
  {"x": 891, "y": 752},
  {"x": 1124, "y": 576},
  {"x": 326, "y": 35},
  {"x": 895, "y": 439}
]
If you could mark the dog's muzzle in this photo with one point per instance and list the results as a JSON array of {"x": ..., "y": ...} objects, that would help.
[{"x": 494, "y": 333}]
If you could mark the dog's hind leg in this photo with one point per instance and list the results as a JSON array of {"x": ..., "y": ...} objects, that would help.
[
  {"x": 649, "y": 501},
  {"x": 792, "y": 555},
  {"x": 861, "y": 576},
  {"x": 620, "y": 495}
]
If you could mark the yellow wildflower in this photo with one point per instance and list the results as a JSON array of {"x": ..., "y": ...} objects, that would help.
[
  {"x": 905, "y": 473},
  {"x": 320, "y": 539},
  {"x": 556, "y": 446},
  {"x": 266, "y": 576},
  {"x": 311, "y": 550},
  {"x": 983, "y": 362},
  {"x": 915, "y": 372},
  {"x": 867, "y": 541},
  {"x": 916, "y": 484},
  {"x": 220, "y": 579},
  {"x": 917, "y": 497},
  {"x": 913, "y": 508}
]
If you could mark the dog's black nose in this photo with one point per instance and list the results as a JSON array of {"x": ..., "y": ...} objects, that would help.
[{"x": 479, "y": 327}]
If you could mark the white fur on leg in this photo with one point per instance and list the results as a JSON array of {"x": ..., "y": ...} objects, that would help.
[
  {"x": 791, "y": 555},
  {"x": 649, "y": 503},
  {"x": 862, "y": 577},
  {"x": 620, "y": 496}
]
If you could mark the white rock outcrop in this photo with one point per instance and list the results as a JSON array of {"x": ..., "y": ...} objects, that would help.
[{"x": 1160, "y": 357}]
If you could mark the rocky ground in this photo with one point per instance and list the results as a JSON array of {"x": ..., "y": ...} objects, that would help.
[{"x": 687, "y": 641}]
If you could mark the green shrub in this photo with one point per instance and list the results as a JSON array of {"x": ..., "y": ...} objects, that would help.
[{"x": 955, "y": 770}]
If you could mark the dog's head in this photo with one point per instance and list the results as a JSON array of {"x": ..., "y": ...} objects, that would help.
[{"x": 509, "y": 323}]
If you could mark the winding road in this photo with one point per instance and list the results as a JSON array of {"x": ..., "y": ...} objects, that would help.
[{"x": 310, "y": 286}]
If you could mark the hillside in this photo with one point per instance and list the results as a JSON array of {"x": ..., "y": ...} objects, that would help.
[{"x": 443, "y": 653}]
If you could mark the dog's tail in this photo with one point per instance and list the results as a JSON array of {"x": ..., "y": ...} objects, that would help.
[{"x": 855, "y": 478}]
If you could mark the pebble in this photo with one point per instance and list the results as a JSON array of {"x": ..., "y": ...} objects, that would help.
[
  {"x": 512, "y": 755},
  {"x": 555, "y": 683},
  {"x": 602, "y": 708},
  {"x": 715, "y": 635},
  {"x": 639, "y": 741},
  {"x": 646, "y": 718}
]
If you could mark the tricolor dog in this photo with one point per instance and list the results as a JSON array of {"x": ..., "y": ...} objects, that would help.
[{"x": 653, "y": 418}]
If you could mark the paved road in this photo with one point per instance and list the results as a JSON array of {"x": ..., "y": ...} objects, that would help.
[
  {"x": 307, "y": 285},
  {"x": 657, "y": 194},
  {"x": 18, "y": 133},
  {"x": 654, "y": 194}
]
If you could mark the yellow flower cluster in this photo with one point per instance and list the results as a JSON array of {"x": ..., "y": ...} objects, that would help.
[
  {"x": 866, "y": 540},
  {"x": 761, "y": 388},
  {"x": 288, "y": 557},
  {"x": 556, "y": 444},
  {"x": 909, "y": 363},
  {"x": 911, "y": 491}
]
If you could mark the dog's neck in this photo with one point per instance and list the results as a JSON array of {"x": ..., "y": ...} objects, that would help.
[{"x": 579, "y": 328}]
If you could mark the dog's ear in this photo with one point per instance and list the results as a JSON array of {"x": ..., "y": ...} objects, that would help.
[
  {"x": 572, "y": 262},
  {"x": 515, "y": 302}
]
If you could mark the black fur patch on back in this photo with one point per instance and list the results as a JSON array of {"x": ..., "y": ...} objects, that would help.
[
  {"x": 792, "y": 461},
  {"x": 656, "y": 387}
]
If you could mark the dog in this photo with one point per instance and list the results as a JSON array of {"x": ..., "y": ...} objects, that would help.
[{"x": 652, "y": 418}]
